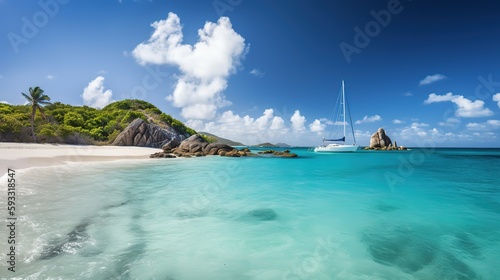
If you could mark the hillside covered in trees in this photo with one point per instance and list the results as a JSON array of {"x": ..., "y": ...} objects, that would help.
[{"x": 80, "y": 124}]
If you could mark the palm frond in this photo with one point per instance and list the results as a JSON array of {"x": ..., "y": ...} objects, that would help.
[{"x": 27, "y": 97}]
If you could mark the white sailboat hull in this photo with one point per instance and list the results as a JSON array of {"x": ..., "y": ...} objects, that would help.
[{"x": 336, "y": 148}]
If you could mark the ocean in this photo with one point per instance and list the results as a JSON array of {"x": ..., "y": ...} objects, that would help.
[{"x": 419, "y": 214}]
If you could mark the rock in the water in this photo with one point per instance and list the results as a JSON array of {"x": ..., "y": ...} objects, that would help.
[
  {"x": 401, "y": 248},
  {"x": 197, "y": 146},
  {"x": 143, "y": 134},
  {"x": 216, "y": 148},
  {"x": 162, "y": 155},
  {"x": 379, "y": 139},
  {"x": 285, "y": 153},
  {"x": 262, "y": 214}
]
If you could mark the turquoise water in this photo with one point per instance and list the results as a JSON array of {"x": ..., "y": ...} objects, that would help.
[{"x": 420, "y": 214}]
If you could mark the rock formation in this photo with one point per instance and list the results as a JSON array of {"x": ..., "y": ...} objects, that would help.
[
  {"x": 285, "y": 153},
  {"x": 143, "y": 134},
  {"x": 196, "y": 146},
  {"x": 379, "y": 139}
]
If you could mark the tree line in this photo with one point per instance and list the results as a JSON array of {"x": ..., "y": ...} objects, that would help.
[{"x": 41, "y": 120}]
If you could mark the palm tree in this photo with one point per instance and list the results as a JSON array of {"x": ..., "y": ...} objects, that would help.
[{"x": 37, "y": 100}]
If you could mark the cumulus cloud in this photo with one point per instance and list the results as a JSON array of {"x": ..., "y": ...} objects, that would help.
[
  {"x": 298, "y": 122},
  {"x": 268, "y": 127},
  {"x": 488, "y": 125},
  {"x": 466, "y": 108},
  {"x": 431, "y": 79},
  {"x": 317, "y": 126},
  {"x": 94, "y": 94},
  {"x": 476, "y": 126},
  {"x": 367, "y": 119},
  {"x": 204, "y": 66},
  {"x": 496, "y": 98},
  {"x": 49, "y": 77},
  {"x": 396, "y": 121},
  {"x": 412, "y": 131},
  {"x": 245, "y": 129},
  {"x": 5, "y": 102},
  {"x": 450, "y": 122}
]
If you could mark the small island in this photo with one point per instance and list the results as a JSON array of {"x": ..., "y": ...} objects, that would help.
[{"x": 380, "y": 141}]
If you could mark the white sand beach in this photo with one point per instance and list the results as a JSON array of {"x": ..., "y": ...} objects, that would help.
[{"x": 24, "y": 155}]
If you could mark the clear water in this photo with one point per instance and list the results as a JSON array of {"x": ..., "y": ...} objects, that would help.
[{"x": 420, "y": 214}]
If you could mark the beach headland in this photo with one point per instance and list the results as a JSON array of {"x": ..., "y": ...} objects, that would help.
[{"x": 25, "y": 155}]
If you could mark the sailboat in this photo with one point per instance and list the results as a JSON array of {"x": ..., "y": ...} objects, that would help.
[{"x": 341, "y": 146}]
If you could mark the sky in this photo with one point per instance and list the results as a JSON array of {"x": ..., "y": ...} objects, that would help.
[{"x": 256, "y": 71}]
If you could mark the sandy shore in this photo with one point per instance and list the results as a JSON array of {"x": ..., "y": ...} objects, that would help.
[{"x": 24, "y": 155}]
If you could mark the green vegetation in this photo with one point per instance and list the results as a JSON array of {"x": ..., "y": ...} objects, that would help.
[
  {"x": 37, "y": 100},
  {"x": 209, "y": 138},
  {"x": 214, "y": 138},
  {"x": 80, "y": 124}
]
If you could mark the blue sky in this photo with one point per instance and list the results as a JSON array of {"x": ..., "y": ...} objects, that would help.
[{"x": 260, "y": 70}]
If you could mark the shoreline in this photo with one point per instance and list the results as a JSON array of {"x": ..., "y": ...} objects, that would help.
[{"x": 19, "y": 156}]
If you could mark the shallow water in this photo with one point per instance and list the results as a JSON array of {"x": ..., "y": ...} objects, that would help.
[{"x": 420, "y": 214}]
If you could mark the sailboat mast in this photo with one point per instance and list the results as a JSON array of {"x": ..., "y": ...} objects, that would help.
[{"x": 343, "y": 106}]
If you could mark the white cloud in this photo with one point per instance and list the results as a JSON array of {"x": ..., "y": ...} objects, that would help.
[
  {"x": 416, "y": 124},
  {"x": 431, "y": 79},
  {"x": 265, "y": 128},
  {"x": 329, "y": 122},
  {"x": 277, "y": 124},
  {"x": 363, "y": 136},
  {"x": 466, "y": 107},
  {"x": 439, "y": 98},
  {"x": 298, "y": 122},
  {"x": 204, "y": 66},
  {"x": 49, "y": 77},
  {"x": 257, "y": 73},
  {"x": 5, "y": 102},
  {"x": 493, "y": 123},
  {"x": 496, "y": 98},
  {"x": 476, "y": 126},
  {"x": 485, "y": 126},
  {"x": 370, "y": 119},
  {"x": 94, "y": 94},
  {"x": 248, "y": 130},
  {"x": 317, "y": 126},
  {"x": 396, "y": 121},
  {"x": 450, "y": 122},
  {"x": 414, "y": 131},
  {"x": 408, "y": 93}
]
